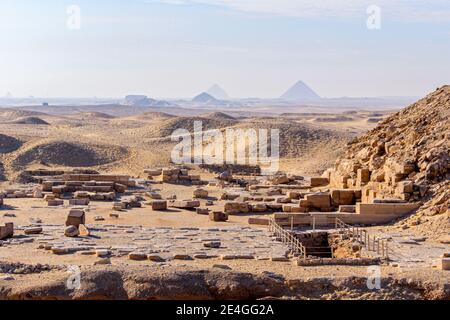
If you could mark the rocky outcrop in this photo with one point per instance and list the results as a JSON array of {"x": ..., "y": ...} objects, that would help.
[
  {"x": 168, "y": 283},
  {"x": 407, "y": 156}
]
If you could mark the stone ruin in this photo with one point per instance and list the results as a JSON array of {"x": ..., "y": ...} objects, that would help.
[
  {"x": 236, "y": 169},
  {"x": 7, "y": 231},
  {"x": 174, "y": 175}
]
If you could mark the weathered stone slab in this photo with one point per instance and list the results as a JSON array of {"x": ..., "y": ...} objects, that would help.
[
  {"x": 218, "y": 216},
  {"x": 236, "y": 207},
  {"x": 75, "y": 217},
  {"x": 158, "y": 205},
  {"x": 385, "y": 208},
  {"x": 185, "y": 204},
  {"x": 200, "y": 193},
  {"x": 319, "y": 182},
  {"x": 33, "y": 230},
  {"x": 7, "y": 231}
]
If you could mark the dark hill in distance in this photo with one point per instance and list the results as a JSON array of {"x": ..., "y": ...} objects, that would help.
[
  {"x": 300, "y": 92},
  {"x": 204, "y": 98}
]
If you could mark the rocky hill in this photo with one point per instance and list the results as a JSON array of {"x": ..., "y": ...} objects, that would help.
[{"x": 406, "y": 156}]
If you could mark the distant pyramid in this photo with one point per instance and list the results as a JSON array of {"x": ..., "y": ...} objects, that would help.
[
  {"x": 300, "y": 92},
  {"x": 217, "y": 92},
  {"x": 204, "y": 98}
]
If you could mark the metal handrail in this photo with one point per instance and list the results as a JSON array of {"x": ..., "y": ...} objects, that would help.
[
  {"x": 286, "y": 237},
  {"x": 371, "y": 243}
]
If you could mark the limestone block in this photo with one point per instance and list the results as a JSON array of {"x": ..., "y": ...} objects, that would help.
[
  {"x": 120, "y": 188},
  {"x": 203, "y": 211},
  {"x": 280, "y": 180},
  {"x": 159, "y": 205},
  {"x": 79, "y": 202},
  {"x": 83, "y": 230},
  {"x": 319, "y": 200},
  {"x": 218, "y": 216},
  {"x": 347, "y": 208},
  {"x": 33, "y": 230},
  {"x": 298, "y": 209},
  {"x": 319, "y": 181},
  {"x": 259, "y": 207},
  {"x": 236, "y": 207},
  {"x": 155, "y": 258},
  {"x": 445, "y": 263},
  {"x": 273, "y": 192},
  {"x": 75, "y": 217},
  {"x": 362, "y": 175},
  {"x": 200, "y": 193},
  {"x": 7, "y": 231},
  {"x": 386, "y": 208},
  {"x": 284, "y": 200},
  {"x": 405, "y": 187},
  {"x": 343, "y": 197},
  {"x": 137, "y": 256},
  {"x": 55, "y": 203},
  {"x": 71, "y": 231},
  {"x": 49, "y": 197},
  {"x": 185, "y": 204}
]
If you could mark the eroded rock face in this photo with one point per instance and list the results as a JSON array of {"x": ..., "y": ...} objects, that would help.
[
  {"x": 406, "y": 156},
  {"x": 111, "y": 282}
]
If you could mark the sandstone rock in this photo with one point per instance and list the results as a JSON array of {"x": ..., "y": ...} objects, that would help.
[
  {"x": 7, "y": 231},
  {"x": 293, "y": 195},
  {"x": 158, "y": 205},
  {"x": 203, "y": 211},
  {"x": 218, "y": 216},
  {"x": 236, "y": 207},
  {"x": 55, "y": 203},
  {"x": 83, "y": 230},
  {"x": 185, "y": 204},
  {"x": 318, "y": 200},
  {"x": 60, "y": 250},
  {"x": 280, "y": 180},
  {"x": 200, "y": 193},
  {"x": 34, "y": 230},
  {"x": 75, "y": 217},
  {"x": 284, "y": 200},
  {"x": 139, "y": 256},
  {"x": 181, "y": 256},
  {"x": 154, "y": 195},
  {"x": 155, "y": 258},
  {"x": 212, "y": 244},
  {"x": 273, "y": 192},
  {"x": 71, "y": 231},
  {"x": 445, "y": 263},
  {"x": 319, "y": 181}
]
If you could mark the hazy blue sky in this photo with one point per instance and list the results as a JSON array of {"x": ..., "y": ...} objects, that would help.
[{"x": 252, "y": 48}]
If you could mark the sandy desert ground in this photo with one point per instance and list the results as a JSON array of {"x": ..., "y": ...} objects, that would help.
[{"x": 113, "y": 142}]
